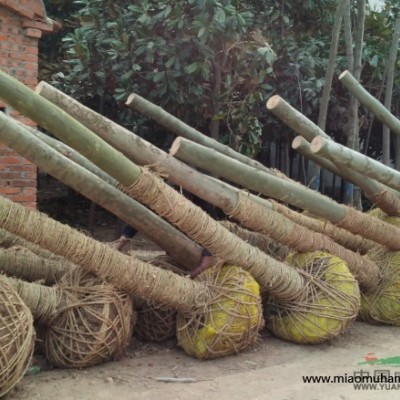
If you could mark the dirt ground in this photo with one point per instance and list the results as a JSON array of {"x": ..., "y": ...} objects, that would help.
[{"x": 272, "y": 369}]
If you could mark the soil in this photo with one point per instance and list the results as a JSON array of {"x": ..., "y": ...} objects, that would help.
[{"x": 272, "y": 369}]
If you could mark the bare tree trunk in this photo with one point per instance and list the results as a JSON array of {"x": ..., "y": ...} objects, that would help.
[
  {"x": 353, "y": 137},
  {"x": 390, "y": 67},
  {"x": 348, "y": 186},
  {"x": 314, "y": 170}
]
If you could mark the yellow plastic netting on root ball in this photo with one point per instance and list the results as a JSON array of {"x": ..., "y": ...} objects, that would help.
[
  {"x": 232, "y": 319},
  {"x": 376, "y": 212},
  {"x": 382, "y": 305},
  {"x": 330, "y": 302},
  {"x": 17, "y": 338}
]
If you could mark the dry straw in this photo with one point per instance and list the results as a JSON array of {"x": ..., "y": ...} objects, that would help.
[
  {"x": 286, "y": 286},
  {"x": 382, "y": 305},
  {"x": 156, "y": 323},
  {"x": 21, "y": 263},
  {"x": 189, "y": 297},
  {"x": 17, "y": 337},
  {"x": 87, "y": 321}
]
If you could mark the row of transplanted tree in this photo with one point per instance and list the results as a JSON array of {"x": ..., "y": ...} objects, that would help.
[{"x": 215, "y": 63}]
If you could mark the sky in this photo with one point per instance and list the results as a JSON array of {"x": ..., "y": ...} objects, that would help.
[{"x": 376, "y": 3}]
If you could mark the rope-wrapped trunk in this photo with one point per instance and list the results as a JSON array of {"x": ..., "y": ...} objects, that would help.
[
  {"x": 195, "y": 301},
  {"x": 22, "y": 263}
]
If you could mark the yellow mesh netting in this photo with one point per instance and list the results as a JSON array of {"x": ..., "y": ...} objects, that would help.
[
  {"x": 231, "y": 320},
  {"x": 383, "y": 304},
  {"x": 330, "y": 303}
]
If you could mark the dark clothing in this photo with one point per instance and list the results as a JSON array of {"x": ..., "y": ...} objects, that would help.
[{"x": 129, "y": 231}]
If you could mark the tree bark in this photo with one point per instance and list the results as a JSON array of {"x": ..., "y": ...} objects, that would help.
[
  {"x": 178, "y": 127},
  {"x": 370, "y": 102},
  {"x": 289, "y": 192},
  {"x": 390, "y": 201},
  {"x": 155, "y": 194},
  {"x": 341, "y": 155},
  {"x": 383, "y": 197},
  {"x": 182, "y": 249},
  {"x": 390, "y": 67},
  {"x": 323, "y": 109}
]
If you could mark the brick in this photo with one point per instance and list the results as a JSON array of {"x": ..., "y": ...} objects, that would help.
[
  {"x": 37, "y": 25},
  {"x": 25, "y": 168},
  {"x": 29, "y": 191},
  {"x": 11, "y": 160},
  {"x": 22, "y": 183},
  {"x": 33, "y": 33},
  {"x": 30, "y": 49},
  {"x": 31, "y": 66},
  {"x": 22, "y": 198},
  {"x": 30, "y": 82},
  {"x": 10, "y": 190},
  {"x": 6, "y": 177},
  {"x": 23, "y": 57},
  {"x": 29, "y": 175}
]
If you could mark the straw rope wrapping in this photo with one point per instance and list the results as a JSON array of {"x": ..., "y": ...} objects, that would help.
[
  {"x": 232, "y": 319},
  {"x": 146, "y": 281},
  {"x": 8, "y": 240},
  {"x": 356, "y": 222},
  {"x": 92, "y": 324},
  {"x": 301, "y": 239},
  {"x": 272, "y": 275},
  {"x": 330, "y": 303},
  {"x": 386, "y": 200},
  {"x": 345, "y": 238},
  {"x": 17, "y": 338},
  {"x": 382, "y": 305},
  {"x": 126, "y": 273},
  {"x": 22, "y": 263},
  {"x": 264, "y": 242}
]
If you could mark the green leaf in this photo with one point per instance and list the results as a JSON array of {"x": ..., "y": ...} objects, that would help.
[{"x": 159, "y": 76}]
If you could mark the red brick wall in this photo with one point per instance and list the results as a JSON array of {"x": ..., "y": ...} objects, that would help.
[{"x": 18, "y": 57}]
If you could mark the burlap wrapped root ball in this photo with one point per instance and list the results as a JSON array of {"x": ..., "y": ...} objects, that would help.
[
  {"x": 382, "y": 304},
  {"x": 17, "y": 338},
  {"x": 330, "y": 302},
  {"x": 94, "y": 325},
  {"x": 155, "y": 323},
  {"x": 230, "y": 322}
]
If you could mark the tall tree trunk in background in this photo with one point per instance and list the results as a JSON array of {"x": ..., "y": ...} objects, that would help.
[
  {"x": 218, "y": 67},
  {"x": 314, "y": 170},
  {"x": 397, "y": 151},
  {"x": 351, "y": 124},
  {"x": 353, "y": 140},
  {"x": 390, "y": 67}
]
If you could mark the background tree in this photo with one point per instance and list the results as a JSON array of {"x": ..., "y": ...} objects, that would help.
[{"x": 214, "y": 63}]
